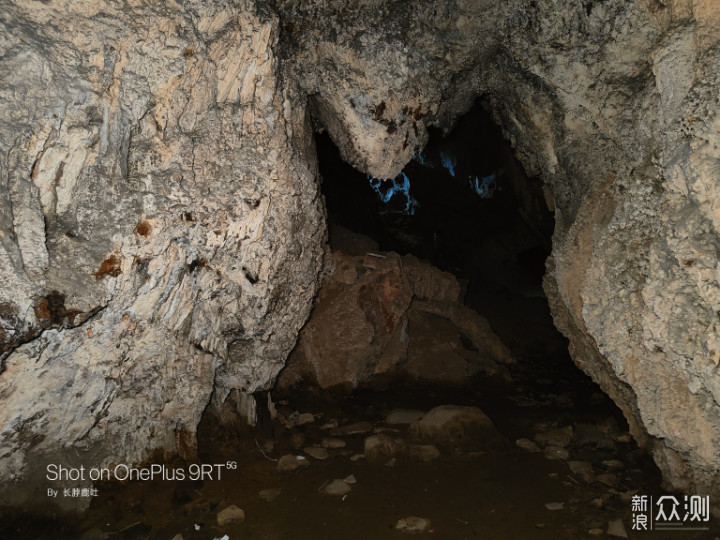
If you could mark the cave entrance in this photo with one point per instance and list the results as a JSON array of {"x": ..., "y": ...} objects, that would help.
[
  {"x": 464, "y": 205},
  {"x": 529, "y": 448}
]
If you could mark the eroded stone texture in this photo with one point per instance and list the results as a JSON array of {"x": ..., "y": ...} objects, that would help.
[
  {"x": 614, "y": 104},
  {"x": 161, "y": 231},
  {"x": 380, "y": 316}
]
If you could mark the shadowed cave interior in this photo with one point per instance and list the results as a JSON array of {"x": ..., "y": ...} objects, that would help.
[{"x": 464, "y": 205}]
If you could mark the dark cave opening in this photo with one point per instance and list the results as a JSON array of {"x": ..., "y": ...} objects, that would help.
[{"x": 465, "y": 205}]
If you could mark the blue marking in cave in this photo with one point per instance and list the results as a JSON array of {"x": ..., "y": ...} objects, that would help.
[
  {"x": 448, "y": 162},
  {"x": 421, "y": 159},
  {"x": 400, "y": 186},
  {"x": 485, "y": 186}
]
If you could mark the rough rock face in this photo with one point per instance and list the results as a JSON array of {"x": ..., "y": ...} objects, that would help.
[
  {"x": 614, "y": 105},
  {"x": 381, "y": 316},
  {"x": 160, "y": 227},
  {"x": 161, "y": 232}
]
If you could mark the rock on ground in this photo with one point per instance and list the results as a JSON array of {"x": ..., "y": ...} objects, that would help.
[
  {"x": 413, "y": 525},
  {"x": 270, "y": 494},
  {"x": 381, "y": 448},
  {"x": 231, "y": 514},
  {"x": 379, "y": 317},
  {"x": 457, "y": 426},
  {"x": 336, "y": 488},
  {"x": 316, "y": 452},
  {"x": 290, "y": 463}
]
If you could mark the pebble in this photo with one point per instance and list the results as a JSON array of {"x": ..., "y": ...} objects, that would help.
[
  {"x": 616, "y": 528},
  {"x": 403, "y": 416},
  {"x": 305, "y": 418},
  {"x": 412, "y": 525},
  {"x": 331, "y": 442},
  {"x": 556, "y": 452},
  {"x": 289, "y": 463},
  {"x": 596, "y": 532},
  {"x": 555, "y": 505},
  {"x": 357, "y": 457},
  {"x": 231, "y": 514},
  {"x": 583, "y": 470},
  {"x": 423, "y": 452},
  {"x": 269, "y": 495},
  {"x": 380, "y": 448},
  {"x": 350, "y": 479},
  {"x": 352, "y": 429},
  {"x": 330, "y": 424},
  {"x": 527, "y": 444},
  {"x": 336, "y": 487},
  {"x": 316, "y": 452}
]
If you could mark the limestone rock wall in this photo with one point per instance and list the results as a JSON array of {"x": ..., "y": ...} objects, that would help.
[
  {"x": 161, "y": 230},
  {"x": 614, "y": 105}
]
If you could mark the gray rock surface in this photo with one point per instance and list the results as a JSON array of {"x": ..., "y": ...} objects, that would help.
[{"x": 160, "y": 226}]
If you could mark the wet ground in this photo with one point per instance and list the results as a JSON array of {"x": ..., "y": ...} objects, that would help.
[{"x": 463, "y": 493}]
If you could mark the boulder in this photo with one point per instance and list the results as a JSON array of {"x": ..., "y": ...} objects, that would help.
[
  {"x": 383, "y": 316},
  {"x": 381, "y": 448},
  {"x": 462, "y": 427}
]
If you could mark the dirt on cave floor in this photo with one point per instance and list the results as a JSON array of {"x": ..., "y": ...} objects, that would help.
[{"x": 464, "y": 494}]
